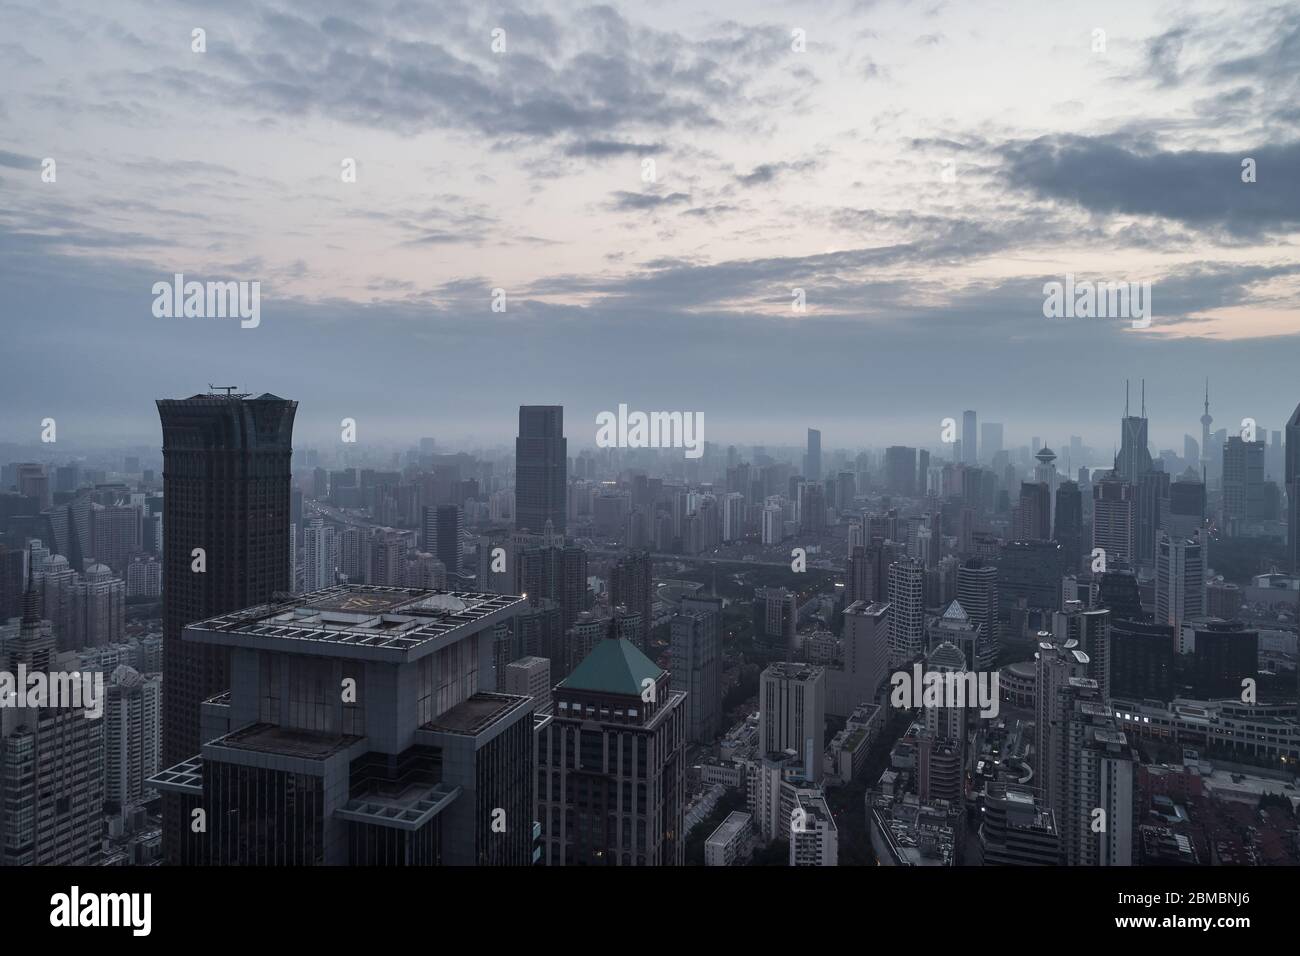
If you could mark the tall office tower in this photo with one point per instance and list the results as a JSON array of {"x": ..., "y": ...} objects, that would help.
[
  {"x": 1016, "y": 829},
  {"x": 60, "y": 600},
  {"x": 443, "y": 532},
  {"x": 775, "y": 617},
  {"x": 529, "y": 677},
  {"x": 1134, "y": 458},
  {"x": 51, "y": 763},
  {"x": 866, "y": 657},
  {"x": 318, "y": 555},
  {"x": 115, "y": 535},
  {"x": 631, "y": 584},
  {"x": 1090, "y": 630},
  {"x": 812, "y": 459},
  {"x": 389, "y": 549},
  {"x": 1100, "y": 773},
  {"x": 1180, "y": 581},
  {"x": 955, "y": 627},
  {"x": 900, "y": 470},
  {"x": 697, "y": 672},
  {"x": 846, "y": 491},
  {"x": 977, "y": 593},
  {"x": 990, "y": 441},
  {"x": 540, "y": 468},
  {"x": 935, "y": 552},
  {"x": 132, "y": 735},
  {"x": 1183, "y": 515},
  {"x": 1068, "y": 530},
  {"x": 773, "y": 524},
  {"x": 1034, "y": 512},
  {"x": 792, "y": 713},
  {"x": 1152, "y": 494},
  {"x": 733, "y": 517},
  {"x": 814, "y": 838},
  {"x": 906, "y": 612},
  {"x": 410, "y": 764},
  {"x": 1112, "y": 518},
  {"x": 1243, "y": 483},
  {"x": 32, "y": 481},
  {"x": 12, "y": 578},
  {"x": 101, "y": 608},
  {"x": 969, "y": 441},
  {"x": 812, "y": 508},
  {"x": 225, "y": 491},
  {"x": 923, "y": 472},
  {"x": 558, "y": 574},
  {"x": 144, "y": 577},
  {"x": 226, "y": 545},
  {"x": 354, "y": 554},
  {"x": 611, "y": 764},
  {"x": 941, "y": 757},
  {"x": 1056, "y": 669},
  {"x": 1292, "y": 452}
]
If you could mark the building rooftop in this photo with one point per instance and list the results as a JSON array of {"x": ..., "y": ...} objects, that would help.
[
  {"x": 371, "y": 622},
  {"x": 474, "y": 715},
  {"x": 614, "y": 666},
  {"x": 728, "y": 829}
]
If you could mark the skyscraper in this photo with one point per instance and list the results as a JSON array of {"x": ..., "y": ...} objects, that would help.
[
  {"x": 541, "y": 465},
  {"x": 319, "y": 555},
  {"x": 969, "y": 441},
  {"x": 610, "y": 764},
  {"x": 226, "y": 545},
  {"x": 977, "y": 593},
  {"x": 631, "y": 585},
  {"x": 1180, "y": 581},
  {"x": 906, "y": 612},
  {"x": 792, "y": 713},
  {"x": 1113, "y": 518},
  {"x": 697, "y": 669},
  {"x": 1068, "y": 529},
  {"x": 443, "y": 536},
  {"x": 1134, "y": 458},
  {"x": 225, "y": 536},
  {"x": 1292, "y": 451},
  {"x": 812, "y": 463}
]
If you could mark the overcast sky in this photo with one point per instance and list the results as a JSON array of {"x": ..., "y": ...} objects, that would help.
[{"x": 918, "y": 169}]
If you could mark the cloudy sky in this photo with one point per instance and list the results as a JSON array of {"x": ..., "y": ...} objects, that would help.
[{"x": 648, "y": 183}]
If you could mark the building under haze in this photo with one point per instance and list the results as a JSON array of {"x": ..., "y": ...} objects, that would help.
[{"x": 541, "y": 468}]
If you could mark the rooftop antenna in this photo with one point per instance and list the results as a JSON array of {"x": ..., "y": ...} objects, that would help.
[
  {"x": 1126, "y": 398},
  {"x": 1144, "y": 398},
  {"x": 228, "y": 389}
]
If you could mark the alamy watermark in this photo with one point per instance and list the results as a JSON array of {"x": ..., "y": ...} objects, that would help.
[
  {"x": 59, "y": 689},
  {"x": 208, "y": 300},
  {"x": 651, "y": 430},
  {"x": 1098, "y": 300},
  {"x": 971, "y": 689}
]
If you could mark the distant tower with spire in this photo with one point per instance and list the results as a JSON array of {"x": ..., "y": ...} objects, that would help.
[{"x": 1206, "y": 421}]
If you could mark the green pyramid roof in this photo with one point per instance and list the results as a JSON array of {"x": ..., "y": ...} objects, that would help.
[{"x": 614, "y": 666}]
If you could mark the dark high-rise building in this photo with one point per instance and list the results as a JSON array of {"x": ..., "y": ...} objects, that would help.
[
  {"x": 1292, "y": 453},
  {"x": 443, "y": 536},
  {"x": 900, "y": 469},
  {"x": 557, "y": 574},
  {"x": 1134, "y": 458},
  {"x": 1243, "y": 482},
  {"x": 1152, "y": 496},
  {"x": 812, "y": 462},
  {"x": 540, "y": 469},
  {"x": 225, "y": 491},
  {"x": 226, "y": 545},
  {"x": 969, "y": 441},
  {"x": 610, "y": 764},
  {"x": 1034, "y": 512},
  {"x": 1029, "y": 575},
  {"x": 1226, "y": 652},
  {"x": 1069, "y": 522},
  {"x": 631, "y": 585},
  {"x": 1141, "y": 660}
]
